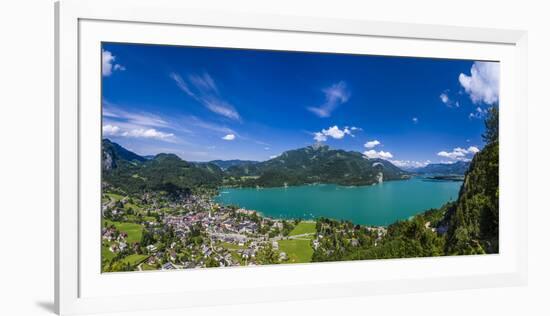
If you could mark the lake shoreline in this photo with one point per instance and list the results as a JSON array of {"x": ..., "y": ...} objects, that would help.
[
  {"x": 313, "y": 184},
  {"x": 452, "y": 178},
  {"x": 378, "y": 205}
]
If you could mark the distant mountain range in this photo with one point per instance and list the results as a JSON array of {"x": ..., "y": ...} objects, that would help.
[
  {"x": 224, "y": 164},
  {"x": 457, "y": 168},
  {"x": 312, "y": 164}
]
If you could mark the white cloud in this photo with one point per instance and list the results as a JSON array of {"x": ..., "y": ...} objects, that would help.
[
  {"x": 456, "y": 153},
  {"x": 106, "y": 111},
  {"x": 479, "y": 113},
  {"x": 372, "y": 144},
  {"x": 410, "y": 163},
  {"x": 111, "y": 130},
  {"x": 274, "y": 156},
  {"x": 348, "y": 130},
  {"x": 197, "y": 122},
  {"x": 202, "y": 88},
  {"x": 182, "y": 84},
  {"x": 446, "y": 99},
  {"x": 108, "y": 65},
  {"x": 203, "y": 82},
  {"x": 333, "y": 132},
  {"x": 107, "y": 60},
  {"x": 473, "y": 149},
  {"x": 146, "y": 119},
  {"x": 119, "y": 67},
  {"x": 137, "y": 125},
  {"x": 380, "y": 154},
  {"x": 459, "y": 153},
  {"x": 222, "y": 108},
  {"x": 415, "y": 120},
  {"x": 319, "y": 137},
  {"x": 229, "y": 137},
  {"x": 482, "y": 85},
  {"x": 147, "y": 133},
  {"x": 335, "y": 95},
  {"x": 142, "y": 119}
]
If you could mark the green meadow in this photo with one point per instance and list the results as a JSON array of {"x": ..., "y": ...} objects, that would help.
[
  {"x": 297, "y": 250},
  {"x": 304, "y": 227},
  {"x": 134, "y": 231}
]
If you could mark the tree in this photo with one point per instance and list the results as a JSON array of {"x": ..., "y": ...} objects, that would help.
[
  {"x": 491, "y": 126},
  {"x": 212, "y": 263},
  {"x": 267, "y": 255}
]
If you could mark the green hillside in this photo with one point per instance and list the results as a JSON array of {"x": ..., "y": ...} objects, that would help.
[
  {"x": 164, "y": 172},
  {"x": 314, "y": 164},
  {"x": 473, "y": 223}
]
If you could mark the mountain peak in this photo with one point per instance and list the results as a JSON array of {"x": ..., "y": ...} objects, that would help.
[
  {"x": 319, "y": 146},
  {"x": 164, "y": 156},
  {"x": 113, "y": 154}
]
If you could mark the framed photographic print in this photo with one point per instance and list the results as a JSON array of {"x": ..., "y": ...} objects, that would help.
[{"x": 213, "y": 157}]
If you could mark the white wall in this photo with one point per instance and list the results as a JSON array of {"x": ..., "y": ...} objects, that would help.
[{"x": 26, "y": 158}]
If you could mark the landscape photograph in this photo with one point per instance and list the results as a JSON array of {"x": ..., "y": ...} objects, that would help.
[{"x": 223, "y": 157}]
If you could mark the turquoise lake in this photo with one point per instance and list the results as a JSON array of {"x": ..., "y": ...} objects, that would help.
[{"x": 380, "y": 204}]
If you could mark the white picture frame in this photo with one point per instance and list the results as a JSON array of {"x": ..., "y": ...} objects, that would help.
[{"x": 80, "y": 28}]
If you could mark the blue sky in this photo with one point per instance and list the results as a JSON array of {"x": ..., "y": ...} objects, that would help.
[{"x": 209, "y": 103}]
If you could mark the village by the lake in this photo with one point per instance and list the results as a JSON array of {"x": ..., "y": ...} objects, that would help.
[{"x": 149, "y": 232}]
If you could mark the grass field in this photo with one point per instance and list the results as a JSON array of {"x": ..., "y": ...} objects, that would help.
[
  {"x": 134, "y": 231},
  {"x": 237, "y": 257},
  {"x": 114, "y": 196},
  {"x": 147, "y": 267},
  {"x": 117, "y": 197},
  {"x": 134, "y": 259},
  {"x": 106, "y": 254},
  {"x": 230, "y": 246},
  {"x": 297, "y": 250},
  {"x": 134, "y": 207},
  {"x": 303, "y": 228},
  {"x": 149, "y": 219}
]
